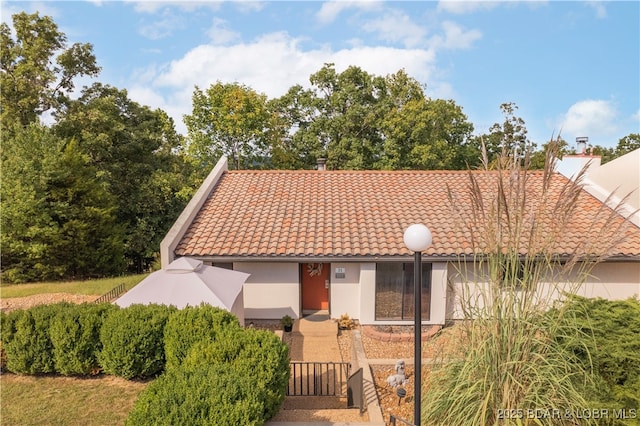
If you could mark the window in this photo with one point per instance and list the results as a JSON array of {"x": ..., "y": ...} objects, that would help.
[
  {"x": 224, "y": 265},
  {"x": 394, "y": 291}
]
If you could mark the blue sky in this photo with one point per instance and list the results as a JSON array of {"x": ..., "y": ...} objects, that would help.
[{"x": 571, "y": 67}]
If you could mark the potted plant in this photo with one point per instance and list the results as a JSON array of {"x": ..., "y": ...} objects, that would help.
[
  {"x": 345, "y": 322},
  {"x": 287, "y": 323}
]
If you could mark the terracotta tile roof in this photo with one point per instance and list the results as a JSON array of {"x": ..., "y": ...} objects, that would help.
[{"x": 351, "y": 214}]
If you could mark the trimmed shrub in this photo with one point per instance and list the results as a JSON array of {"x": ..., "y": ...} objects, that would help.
[
  {"x": 612, "y": 351},
  {"x": 259, "y": 351},
  {"x": 132, "y": 341},
  {"x": 75, "y": 334},
  {"x": 28, "y": 344},
  {"x": 4, "y": 324},
  {"x": 194, "y": 324},
  {"x": 202, "y": 395}
]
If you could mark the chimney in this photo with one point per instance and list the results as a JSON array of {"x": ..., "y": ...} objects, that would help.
[
  {"x": 322, "y": 164},
  {"x": 570, "y": 165},
  {"x": 581, "y": 144}
]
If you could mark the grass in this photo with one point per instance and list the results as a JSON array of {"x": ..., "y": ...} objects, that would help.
[
  {"x": 90, "y": 287},
  {"x": 38, "y": 400}
]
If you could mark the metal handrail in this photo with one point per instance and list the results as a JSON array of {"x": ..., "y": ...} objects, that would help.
[{"x": 111, "y": 294}]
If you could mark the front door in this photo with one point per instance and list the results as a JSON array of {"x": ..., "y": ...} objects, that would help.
[{"x": 315, "y": 286}]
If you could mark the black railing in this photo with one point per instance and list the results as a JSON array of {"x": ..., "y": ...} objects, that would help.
[
  {"x": 318, "y": 379},
  {"x": 111, "y": 294}
]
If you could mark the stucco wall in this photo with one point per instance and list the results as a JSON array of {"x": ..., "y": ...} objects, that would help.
[
  {"x": 367, "y": 292},
  {"x": 272, "y": 290},
  {"x": 345, "y": 292},
  {"x": 610, "y": 280}
]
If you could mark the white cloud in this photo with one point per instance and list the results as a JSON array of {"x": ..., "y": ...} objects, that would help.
[
  {"x": 396, "y": 26},
  {"x": 470, "y": 6},
  {"x": 332, "y": 8},
  {"x": 247, "y": 6},
  {"x": 599, "y": 8},
  {"x": 219, "y": 33},
  {"x": 596, "y": 119},
  {"x": 270, "y": 64},
  {"x": 163, "y": 27},
  {"x": 152, "y": 6},
  {"x": 466, "y": 6},
  {"x": 455, "y": 37}
]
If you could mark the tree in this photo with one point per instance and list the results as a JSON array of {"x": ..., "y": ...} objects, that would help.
[
  {"x": 291, "y": 145},
  {"x": 629, "y": 143},
  {"x": 427, "y": 134},
  {"x": 38, "y": 69},
  {"x": 58, "y": 221},
  {"x": 228, "y": 119},
  {"x": 139, "y": 158},
  {"x": 510, "y": 136},
  {"x": 538, "y": 157},
  {"x": 360, "y": 121}
]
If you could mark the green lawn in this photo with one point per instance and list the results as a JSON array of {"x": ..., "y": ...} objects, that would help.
[
  {"x": 89, "y": 287},
  {"x": 57, "y": 400},
  {"x": 33, "y": 400}
]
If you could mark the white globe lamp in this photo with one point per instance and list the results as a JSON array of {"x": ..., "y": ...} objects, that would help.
[{"x": 417, "y": 237}]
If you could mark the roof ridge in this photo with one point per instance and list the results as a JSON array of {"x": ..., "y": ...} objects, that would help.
[{"x": 320, "y": 172}]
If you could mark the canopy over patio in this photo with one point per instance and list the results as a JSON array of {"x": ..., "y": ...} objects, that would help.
[{"x": 189, "y": 282}]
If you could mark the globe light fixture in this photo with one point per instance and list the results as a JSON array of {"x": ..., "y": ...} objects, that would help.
[{"x": 417, "y": 238}]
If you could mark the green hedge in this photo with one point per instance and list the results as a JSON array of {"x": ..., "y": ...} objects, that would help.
[
  {"x": 75, "y": 335},
  {"x": 259, "y": 351},
  {"x": 26, "y": 339},
  {"x": 221, "y": 373},
  {"x": 203, "y": 395},
  {"x": 610, "y": 348},
  {"x": 239, "y": 378},
  {"x": 193, "y": 324},
  {"x": 133, "y": 341}
]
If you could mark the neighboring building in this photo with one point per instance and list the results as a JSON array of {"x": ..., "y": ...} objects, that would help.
[
  {"x": 614, "y": 182},
  {"x": 333, "y": 240}
]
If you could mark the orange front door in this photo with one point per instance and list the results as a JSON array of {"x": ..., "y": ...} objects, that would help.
[{"x": 315, "y": 287}]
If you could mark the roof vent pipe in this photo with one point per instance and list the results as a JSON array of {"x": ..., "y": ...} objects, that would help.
[{"x": 322, "y": 164}]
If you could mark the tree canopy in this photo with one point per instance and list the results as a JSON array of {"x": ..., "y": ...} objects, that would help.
[
  {"x": 38, "y": 69},
  {"x": 93, "y": 192}
]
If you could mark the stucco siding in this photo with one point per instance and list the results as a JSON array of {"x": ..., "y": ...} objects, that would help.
[
  {"x": 367, "y": 293},
  {"x": 272, "y": 290},
  {"x": 609, "y": 280},
  {"x": 345, "y": 292}
]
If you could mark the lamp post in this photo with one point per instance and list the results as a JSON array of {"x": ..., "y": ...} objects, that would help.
[{"x": 417, "y": 238}]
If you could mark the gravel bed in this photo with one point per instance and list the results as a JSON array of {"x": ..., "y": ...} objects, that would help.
[{"x": 13, "y": 303}]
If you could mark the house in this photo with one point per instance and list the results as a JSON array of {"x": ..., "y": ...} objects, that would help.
[
  {"x": 612, "y": 183},
  {"x": 333, "y": 241}
]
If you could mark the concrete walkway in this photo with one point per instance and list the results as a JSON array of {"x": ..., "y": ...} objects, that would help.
[{"x": 314, "y": 338}]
